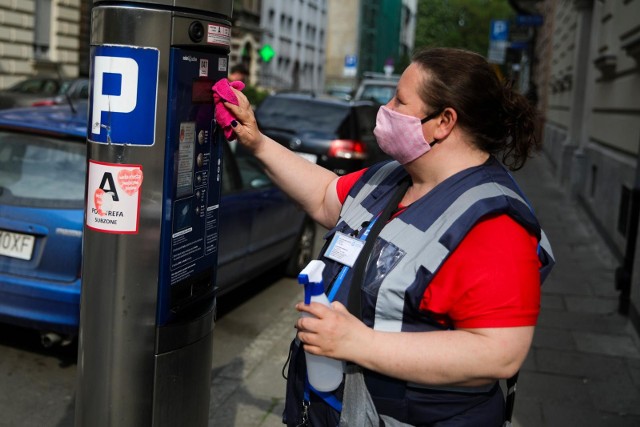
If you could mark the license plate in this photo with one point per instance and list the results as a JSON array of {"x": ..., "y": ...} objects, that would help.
[
  {"x": 311, "y": 157},
  {"x": 16, "y": 245}
]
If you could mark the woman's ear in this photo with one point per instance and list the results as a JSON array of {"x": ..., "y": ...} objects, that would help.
[{"x": 445, "y": 123}]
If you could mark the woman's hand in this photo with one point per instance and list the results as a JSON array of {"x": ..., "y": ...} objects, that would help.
[
  {"x": 245, "y": 126},
  {"x": 333, "y": 332}
]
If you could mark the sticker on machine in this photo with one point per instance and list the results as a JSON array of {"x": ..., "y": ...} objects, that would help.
[
  {"x": 113, "y": 197},
  {"x": 219, "y": 35}
]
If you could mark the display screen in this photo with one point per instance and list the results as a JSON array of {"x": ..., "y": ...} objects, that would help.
[{"x": 201, "y": 92}]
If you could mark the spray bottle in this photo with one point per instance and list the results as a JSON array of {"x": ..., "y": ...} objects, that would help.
[{"x": 323, "y": 373}]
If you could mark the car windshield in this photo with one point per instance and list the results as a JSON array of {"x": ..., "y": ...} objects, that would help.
[
  {"x": 378, "y": 93},
  {"x": 41, "y": 171},
  {"x": 36, "y": 86},
  {"x": 301, "y": 115},
  {"x": 66, "y": 85}
]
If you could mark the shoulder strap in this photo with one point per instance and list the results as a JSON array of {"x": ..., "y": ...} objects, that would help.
[{"x": 511, "y": 396}]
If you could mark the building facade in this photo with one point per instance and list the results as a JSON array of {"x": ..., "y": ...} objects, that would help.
[
  {"x": 372, "y": 33},
  {"x": 39, "y": 37},
  {"x": 342, "y": 43},
  {"x": 295, "y": 30},
  {"x": 587, "y": 70},
  {"x": 246, "y": 36}
]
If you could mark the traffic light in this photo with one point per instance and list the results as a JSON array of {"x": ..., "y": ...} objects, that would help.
[{"x": 266, "y": 53}]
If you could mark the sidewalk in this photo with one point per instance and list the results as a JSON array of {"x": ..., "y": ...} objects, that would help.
[{"x": 583, "y": 369}]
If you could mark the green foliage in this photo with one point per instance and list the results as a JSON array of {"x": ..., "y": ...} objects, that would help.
[
  {"x": 458, "y": 23},
  {"x": 254, "y": 94}
]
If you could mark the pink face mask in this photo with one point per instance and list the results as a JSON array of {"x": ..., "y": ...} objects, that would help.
[{"x": 400, "y": 136}]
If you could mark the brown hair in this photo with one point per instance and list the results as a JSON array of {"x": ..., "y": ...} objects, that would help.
[{"x": 498, "y": 119}]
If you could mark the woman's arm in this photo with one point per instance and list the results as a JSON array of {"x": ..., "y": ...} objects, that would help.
[
  {"x": 311, "y": 186},
  {"x": 489, "y": 288},
  {"x": 463, "y": 357}
]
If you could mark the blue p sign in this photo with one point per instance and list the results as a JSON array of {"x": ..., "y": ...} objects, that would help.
[
  {"x": 122, "y": 108},
  {"x": 499, "y": 30}
]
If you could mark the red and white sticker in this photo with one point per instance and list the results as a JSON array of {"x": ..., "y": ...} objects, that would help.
[
  {"x": 219, "y": 35},
  {"x": 113, "y": 202}
]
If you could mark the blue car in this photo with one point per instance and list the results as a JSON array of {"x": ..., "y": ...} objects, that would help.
[{"x": 42, "y": 187}]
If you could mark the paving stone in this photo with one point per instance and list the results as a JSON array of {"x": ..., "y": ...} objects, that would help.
[
  {"x": 559, "y": 339},
  {"x": 596, "y": 305},
  {"x": 580, "y": 365},
  {"x": 570, "y": 415},
  {"x": 616, "y": 394},
  {"x": 587, "y": 322},
  {"x": 527, "y": 412},
  {"x": 612, "y": 345},
  {"x": 549, "y": 301},
  {"x": 547, "y": 388}
]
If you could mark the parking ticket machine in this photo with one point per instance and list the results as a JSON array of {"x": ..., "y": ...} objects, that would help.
[{"x": 151, "y": 217}]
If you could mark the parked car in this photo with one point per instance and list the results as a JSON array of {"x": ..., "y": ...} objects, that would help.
[
  {"x": 377, "y": 87},
  {"x": 344, "y": 92},
  {"x": 43, "y": 91},
  {"x": 71, "y": 91},
  {"x": 333, "y": 133},
  {"x": 42, "y": 176}
]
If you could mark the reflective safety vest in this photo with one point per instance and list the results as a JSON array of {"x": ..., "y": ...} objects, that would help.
[{"x": 405, "y": 257}]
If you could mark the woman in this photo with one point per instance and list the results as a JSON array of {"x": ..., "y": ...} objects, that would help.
[{"x": 451, "y": 290}]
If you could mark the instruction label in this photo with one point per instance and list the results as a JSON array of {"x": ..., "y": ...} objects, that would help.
[{"x": 219, "y": 35}]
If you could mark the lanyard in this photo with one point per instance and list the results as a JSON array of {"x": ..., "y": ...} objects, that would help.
[
  {"x": 328, "y": 397},
  {"x": 345, "y": 268}
]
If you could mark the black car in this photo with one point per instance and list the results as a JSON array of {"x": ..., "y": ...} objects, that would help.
[{"x": 335, "y": 134}]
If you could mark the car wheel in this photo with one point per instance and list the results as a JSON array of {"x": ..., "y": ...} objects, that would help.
[{"x": 303, "y": 251}]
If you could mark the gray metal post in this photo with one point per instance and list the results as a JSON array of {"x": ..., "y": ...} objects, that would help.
[{"x": 144, "y": 357}]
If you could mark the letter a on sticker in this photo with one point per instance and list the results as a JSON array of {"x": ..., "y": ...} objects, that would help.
[{"x": 107, "y": 178}]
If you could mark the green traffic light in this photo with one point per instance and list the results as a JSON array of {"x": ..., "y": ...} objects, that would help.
[{"x": 267, "y": 53}]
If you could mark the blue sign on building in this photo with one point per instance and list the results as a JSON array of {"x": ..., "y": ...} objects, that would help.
[
  {"x": 529, "y": 20},
  {"x": 350, "y": 61},
  {"x": 499, "y": 30},
  {"x": 122, "y": 103},
  {"x": 350, "y": 65}
]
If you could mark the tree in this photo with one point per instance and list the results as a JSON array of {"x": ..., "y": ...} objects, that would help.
[{"x": 458, "y": 23}]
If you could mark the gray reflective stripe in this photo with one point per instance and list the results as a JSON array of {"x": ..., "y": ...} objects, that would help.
[
  {"x": 479, "y": 389},
  {"x": 357, "y": 215},
  {"x": 354, "y": 213},
  {"x": 546, "y": 245},
  {"x": 422, "y": 249}
]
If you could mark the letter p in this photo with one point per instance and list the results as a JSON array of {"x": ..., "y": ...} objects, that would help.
[{"x": 122, "y": 102}]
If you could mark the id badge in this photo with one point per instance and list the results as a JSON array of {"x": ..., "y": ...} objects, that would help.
[{"x": 344, "y": 249}]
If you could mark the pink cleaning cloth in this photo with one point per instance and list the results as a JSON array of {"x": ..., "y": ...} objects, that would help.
[{"x": 222, "y": 92}]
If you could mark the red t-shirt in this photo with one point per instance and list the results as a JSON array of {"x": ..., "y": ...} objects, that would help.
[{"x": 490, "y": 280}]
